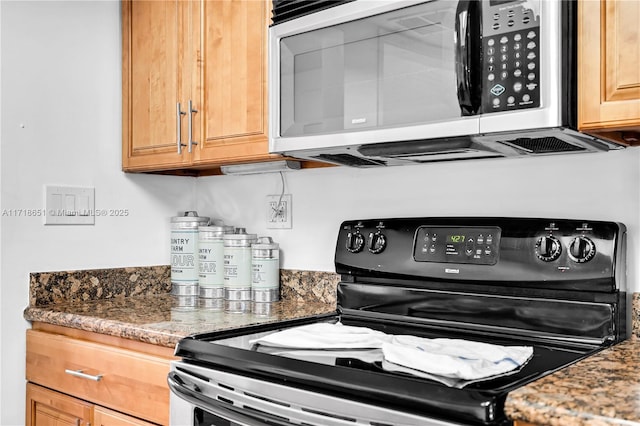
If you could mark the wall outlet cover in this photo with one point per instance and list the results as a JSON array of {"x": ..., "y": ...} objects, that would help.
[{"x": 279, "y": 211}]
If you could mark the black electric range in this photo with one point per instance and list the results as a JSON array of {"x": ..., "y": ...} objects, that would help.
[{"x": 554, "y": 286}]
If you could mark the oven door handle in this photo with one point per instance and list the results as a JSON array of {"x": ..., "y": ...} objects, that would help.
[{"x": 229, "y": 412}]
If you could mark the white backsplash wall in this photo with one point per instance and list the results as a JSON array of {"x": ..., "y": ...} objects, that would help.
[
  {"x": 61, "y": 124},
  {"x": 602, "y": 186}
]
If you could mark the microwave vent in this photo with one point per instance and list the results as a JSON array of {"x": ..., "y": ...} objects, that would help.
[
  {"x": 284, "y": 10},
  {"x": 543, "y": 145},
  {"x": 349, "y": 160}
]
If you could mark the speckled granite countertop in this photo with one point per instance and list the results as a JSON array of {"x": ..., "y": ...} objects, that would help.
[
  {"x": 601, "y": 390},
  {"x": 135, "y": 303},
  {"x": 155, "y": 318}
]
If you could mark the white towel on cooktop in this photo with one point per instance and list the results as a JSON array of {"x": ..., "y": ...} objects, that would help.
[
  {"x": 455, "y": 358},
  {"x": 325, "y": 336}
]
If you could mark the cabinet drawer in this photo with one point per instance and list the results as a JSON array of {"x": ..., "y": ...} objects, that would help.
[{"x": 124, "y": 380}]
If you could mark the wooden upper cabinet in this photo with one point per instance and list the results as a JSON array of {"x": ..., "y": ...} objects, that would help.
[
  {"x": 212, "y": 53},
  {"x": 156, "y": 76},
  {"x": 232, "y": 82},
  {"x": 609, "y": 69}
]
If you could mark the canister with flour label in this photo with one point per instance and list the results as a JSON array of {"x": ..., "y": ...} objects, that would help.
[{"x": 184, "y": 253}]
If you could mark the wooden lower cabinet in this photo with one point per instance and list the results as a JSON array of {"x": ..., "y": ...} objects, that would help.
[
  {"x": 105, "y": 417},
  {"x": 46, "y": 407},
  {"x": 49, "y": 408},
  {"x": 77, "y": 378}
]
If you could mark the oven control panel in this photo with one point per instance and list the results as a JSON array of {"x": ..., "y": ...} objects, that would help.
[
  {"x": 479, "y": 246},
  {"x": 541, "y": 252}
]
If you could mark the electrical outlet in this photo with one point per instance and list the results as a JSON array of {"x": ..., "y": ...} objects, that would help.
[{"x": 279, "y": 215}]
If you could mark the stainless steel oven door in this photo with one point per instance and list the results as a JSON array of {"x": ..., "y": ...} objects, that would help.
[{"x": 205, "y": 396}]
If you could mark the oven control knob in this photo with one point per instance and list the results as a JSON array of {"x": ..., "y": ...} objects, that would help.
[
  {"x": 582, "y": 249},
  {"x": 355, "y": 242},
  {"x": 548, "y": 248},
  {"x": 377, "y": 242}
]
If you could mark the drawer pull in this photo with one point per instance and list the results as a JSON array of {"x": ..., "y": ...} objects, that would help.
[{"x": 79, "y": 373}]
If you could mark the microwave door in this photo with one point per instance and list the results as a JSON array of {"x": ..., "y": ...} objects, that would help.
[{"x": 380, "y": 77}]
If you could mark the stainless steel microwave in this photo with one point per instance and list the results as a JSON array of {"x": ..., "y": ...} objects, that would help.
[{"x": 377, "y": 82}]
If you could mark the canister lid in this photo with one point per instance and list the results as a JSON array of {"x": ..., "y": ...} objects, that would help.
[
  {"x": 239, "y": 239},
  {"x": 190, "y": 217},
  {"x": 265, "y": 243},
  {"x": 214, "y": 231}
]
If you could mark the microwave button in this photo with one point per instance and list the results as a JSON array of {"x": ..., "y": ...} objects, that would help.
[
  {"x": 531, "y": 45},
  {"x": 504, "y": 75},
  {"x": 496, "y": 16},
  {"x": 531, "y": 56},
  {"x": 517, "y": 55},
  {"x": 517, "y": 37},
  {"x": 526, "y": 20},
  {"x": 496, "y": 102},
  {"x": 531, "y": 76},
  {"x": 517, "y": 46},
  {"x": 526, "y": 98},
  {"x": 497, "y": 90},
  {"x": 510, "y": 13},
  {"x": 531, "y": 65},
  {"x": 517, "y": 73},
  {"x": 510, "y": 100},
  {"x": 517, "y": 64},
  {"x": 510, "y": 23},
  {"x": 504, "y": 66},
  {"x": 531, "y": 35},
  {"x": 490, "y": 68},
  {"x": 491, "y": 42},
  {"x": 531, "y": 86},
  {"x": 496, "y": 26},
  {"x": 491, "y": 51},
  {"x": 491, "y": 59},
  {"x": 504, "y": 58},
  {"x": 504, "y": 40},
  {"x": 517, "y": 87},
  {"x": 491, "y": 77},
  {"x": 504, "y": 49}
]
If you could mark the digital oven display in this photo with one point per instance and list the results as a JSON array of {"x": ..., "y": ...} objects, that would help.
[{"x": 472, "y": 245}]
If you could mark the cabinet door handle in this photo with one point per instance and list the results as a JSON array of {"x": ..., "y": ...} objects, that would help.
[
  {"x": 192, "y": 110},
  {"x": 179, "y": 115},
  {"x": 79, "y": 373}
]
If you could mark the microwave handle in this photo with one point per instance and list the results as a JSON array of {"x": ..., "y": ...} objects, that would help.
[{"x": 468, "y": 48}]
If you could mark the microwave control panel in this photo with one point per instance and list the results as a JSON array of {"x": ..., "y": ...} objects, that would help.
[{"x": 511, "y": 55}]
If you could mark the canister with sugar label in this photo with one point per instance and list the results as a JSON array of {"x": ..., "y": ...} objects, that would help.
[
  {"x": 211, "y": 260},
  {"x": 237, "y": 265},
  {"x": 265, "y": 268},
  {"x": 184, "y": 257}
]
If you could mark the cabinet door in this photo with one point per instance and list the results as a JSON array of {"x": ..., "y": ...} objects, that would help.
[
  {"x": 48, "y": 408},
  {"x": 105, "y": 417},
  {"x": 156, "y": 76},
  {"x": 609, "y": 65},
  {"x": 231, "y": 83}
]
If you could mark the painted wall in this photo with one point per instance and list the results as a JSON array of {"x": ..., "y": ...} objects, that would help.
[
  {"x": 601, "y": 186},
  {"x": 61, "y": 124}
]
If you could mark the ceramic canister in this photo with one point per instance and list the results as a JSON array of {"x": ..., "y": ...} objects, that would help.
[{"x": 184, "y": 249}]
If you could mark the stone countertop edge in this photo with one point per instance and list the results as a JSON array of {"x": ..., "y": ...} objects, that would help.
[
  {"x": 601, "y": 390},
  {"x": 154, "y": 318}
]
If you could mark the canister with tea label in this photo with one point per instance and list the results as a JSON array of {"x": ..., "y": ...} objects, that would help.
[
  {"x": 184, "y": 249},
  {"x": 211, "y": 260},
  {"x": 265, "y": 270},
  {"x": 237, "y": 265}
]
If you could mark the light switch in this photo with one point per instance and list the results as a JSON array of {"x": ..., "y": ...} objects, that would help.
[{"x": 69, "y": 205}]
